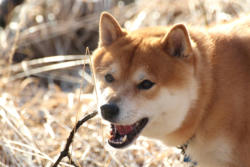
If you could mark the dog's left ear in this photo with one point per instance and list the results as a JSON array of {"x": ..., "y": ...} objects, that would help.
[
  {"x": 109, "y": 29},
  {"x": 177, "y": 42}
]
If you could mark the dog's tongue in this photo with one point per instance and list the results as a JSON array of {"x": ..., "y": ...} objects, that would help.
[{"x": 123, "y": 130}]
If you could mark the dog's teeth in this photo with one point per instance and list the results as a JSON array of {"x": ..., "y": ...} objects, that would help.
[
  {"x": 118, "y": 142},
  {"x": 124, "y": 138}
]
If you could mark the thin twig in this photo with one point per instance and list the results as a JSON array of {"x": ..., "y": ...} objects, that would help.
[
  {"x": 65, "y": 151},
  {"x": 72, "y": 162}
]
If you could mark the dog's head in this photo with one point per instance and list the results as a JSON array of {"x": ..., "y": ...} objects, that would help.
[{"x": 145, "y": 80}]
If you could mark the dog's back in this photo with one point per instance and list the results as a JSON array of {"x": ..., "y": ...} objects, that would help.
[{"x": 225, "y": 126}]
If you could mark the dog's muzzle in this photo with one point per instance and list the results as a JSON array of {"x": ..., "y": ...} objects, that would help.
[{"x": 121, "y": 135}]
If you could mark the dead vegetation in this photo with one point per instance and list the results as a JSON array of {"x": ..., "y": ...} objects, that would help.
[{"x": 46, "y": 83}]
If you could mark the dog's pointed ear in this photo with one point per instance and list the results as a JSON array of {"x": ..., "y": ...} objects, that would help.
[
  {"x": 177, "y": 42},
  {"x": 109, "y": 29}
]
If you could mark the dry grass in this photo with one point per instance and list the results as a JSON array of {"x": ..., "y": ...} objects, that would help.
[{"x": 42, "y": 97}]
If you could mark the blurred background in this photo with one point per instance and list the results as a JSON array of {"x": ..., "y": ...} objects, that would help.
[{"x": 46, "y": 83}]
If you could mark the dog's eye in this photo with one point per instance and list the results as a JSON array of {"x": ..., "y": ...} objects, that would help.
[
  {"x": 145, "y": 84},
  {"x": 109, "y": 78}
]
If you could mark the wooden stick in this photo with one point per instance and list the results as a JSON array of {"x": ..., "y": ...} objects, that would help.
[{"x": 65, "y": 151}]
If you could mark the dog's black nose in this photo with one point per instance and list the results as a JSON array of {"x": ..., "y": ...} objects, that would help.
[{"x": 109, "y": 111}]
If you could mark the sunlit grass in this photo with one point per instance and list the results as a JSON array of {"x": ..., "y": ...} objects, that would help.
[{"x": 36, "y": 115}]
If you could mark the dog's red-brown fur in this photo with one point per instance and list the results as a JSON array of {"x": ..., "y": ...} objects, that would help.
[{"x": 218, "y": 120}]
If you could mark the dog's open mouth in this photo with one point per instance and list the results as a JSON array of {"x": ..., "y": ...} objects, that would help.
[{"x": 123, "y": 135}]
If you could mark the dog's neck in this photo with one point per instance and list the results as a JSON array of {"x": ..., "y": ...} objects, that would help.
[
  {"x": 198, "y": 110},
  {"x": 185, "y": 145}
]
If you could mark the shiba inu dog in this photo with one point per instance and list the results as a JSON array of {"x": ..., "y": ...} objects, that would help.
[{"x": 180, "y": 85}]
